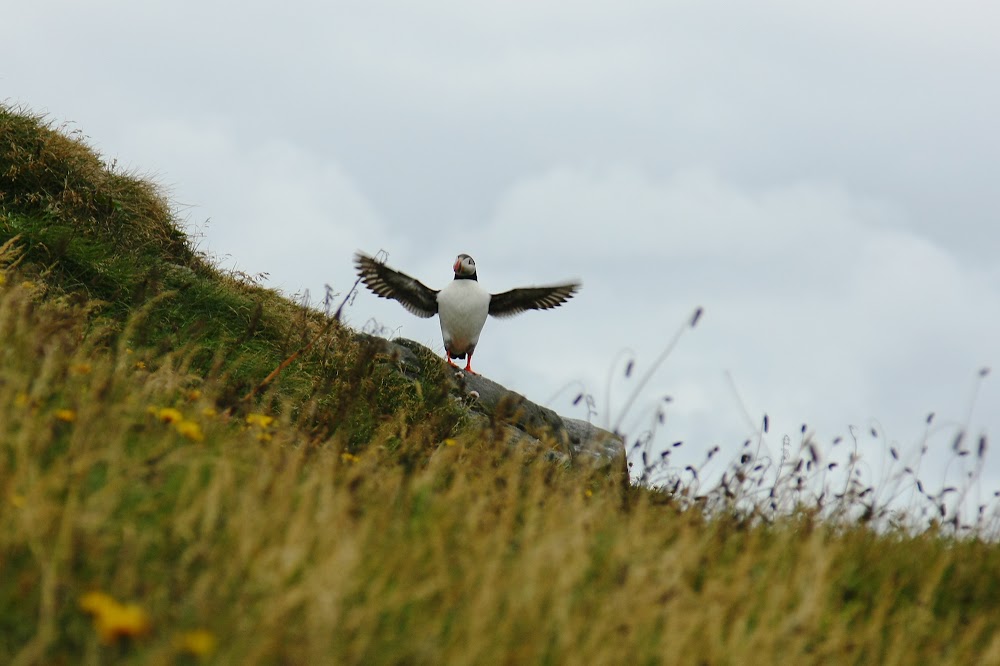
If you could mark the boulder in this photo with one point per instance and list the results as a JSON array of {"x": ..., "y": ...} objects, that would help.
[{"x": 524, "y": 420}]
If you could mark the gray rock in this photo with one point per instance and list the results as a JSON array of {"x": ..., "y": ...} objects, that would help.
[
  {"x": 587, "y": 438},
  {"x": 523, "y": 420},
  {"x": 182, "y": 274}
]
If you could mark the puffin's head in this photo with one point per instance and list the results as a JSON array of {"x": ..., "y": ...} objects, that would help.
[{"x": 465, "y": 266}]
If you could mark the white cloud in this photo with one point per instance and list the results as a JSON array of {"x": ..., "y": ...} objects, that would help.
[
  {"x": 821, "y": 304},
  {"x": 818, "y": 177},
  {"x": 286, "y": 211},
  {"x": 692, "y": 219}
]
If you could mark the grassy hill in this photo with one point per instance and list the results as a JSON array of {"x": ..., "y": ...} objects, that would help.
[{"x": 160, "y": 502}]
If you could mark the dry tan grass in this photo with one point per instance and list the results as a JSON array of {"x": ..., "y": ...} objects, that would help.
[
  {"x": 288, "y": 549},
  {"x": 149, "y": 515}
]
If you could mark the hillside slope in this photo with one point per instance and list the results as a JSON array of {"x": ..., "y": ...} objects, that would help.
[
  {"x": 348, "y": 512},
  {"x": 109, "y": 239}
]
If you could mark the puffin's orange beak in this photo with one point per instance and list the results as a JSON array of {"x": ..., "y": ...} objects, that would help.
[{"x": 458, "y": 263}]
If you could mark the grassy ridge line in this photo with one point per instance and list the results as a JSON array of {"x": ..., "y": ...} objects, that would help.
[
  {"x": 352, "y": 528},
  {"x": 91, "y": 234}
]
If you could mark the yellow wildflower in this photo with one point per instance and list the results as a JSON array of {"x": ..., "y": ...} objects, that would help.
[
  {"x": 450, "y": 442},
  {"x": 262, "y": 420},
  {"x": 349, "y": 457},
  {"x": 114, "y": 620},
  {"x": 96, "y": 603},
  {"x": 140, "y": 365},
  {"x": 122, "y": 620},
  {"x": 588, "y": 492},
  {"x": 80, "y": 368},
  {"x": 200, "y": 642},
  {"x": 67, "y": 415},
  {"x": 193, "y": 394},
  {"x": 189, "y": 429},
  {"x": 169, "y": 415},
  {"x": 209, "y": 411}
]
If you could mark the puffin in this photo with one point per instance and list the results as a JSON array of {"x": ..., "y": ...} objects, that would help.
[{"x": 463, "y": 306}]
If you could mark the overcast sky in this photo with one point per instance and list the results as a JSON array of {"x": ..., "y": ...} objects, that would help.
[{"x": 820, "y": 177}]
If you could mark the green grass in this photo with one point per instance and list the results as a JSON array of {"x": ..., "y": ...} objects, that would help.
[
  {"x": 87, "y": 234},
  {"x": 367, "y": 522}
]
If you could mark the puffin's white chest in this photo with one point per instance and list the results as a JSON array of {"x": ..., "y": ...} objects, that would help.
[{"x": 462, "y": 308}]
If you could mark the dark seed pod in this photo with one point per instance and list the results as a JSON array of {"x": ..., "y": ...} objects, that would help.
[{"x": 957, "y": 444}]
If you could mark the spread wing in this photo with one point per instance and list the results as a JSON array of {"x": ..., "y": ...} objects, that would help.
[
  {"x": 388, "y": 283},
  {"x": 516, "y": 301}
]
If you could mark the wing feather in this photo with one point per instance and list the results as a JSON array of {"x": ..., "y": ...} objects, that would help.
[
  {"x": 388, "y": 283},
  {"x": 516, "y": 301}
]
